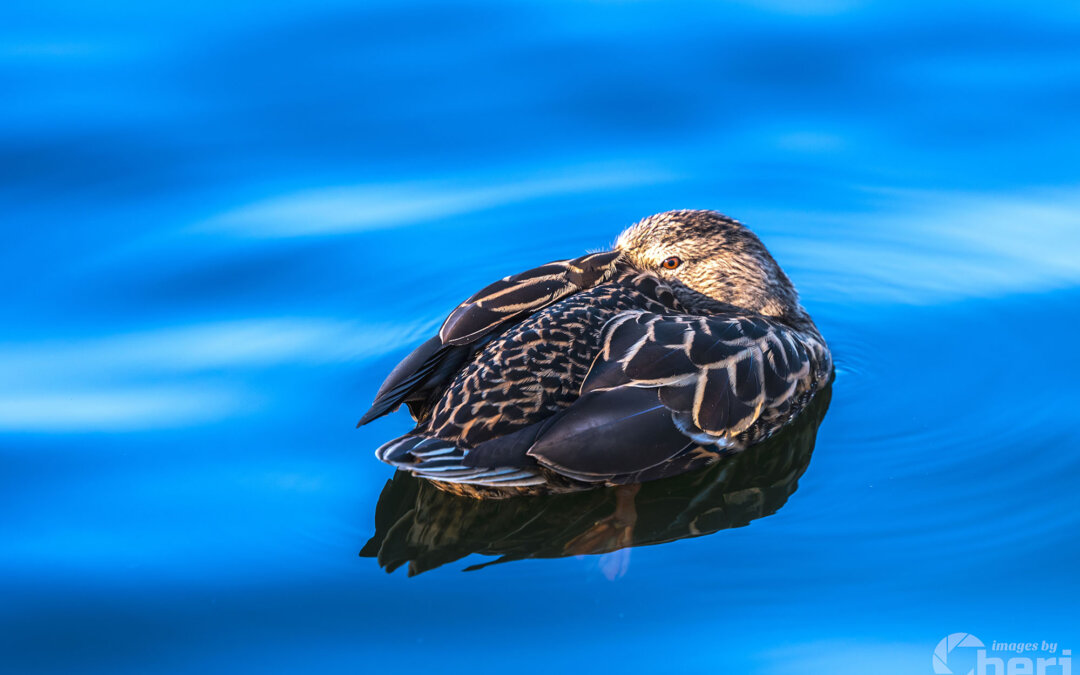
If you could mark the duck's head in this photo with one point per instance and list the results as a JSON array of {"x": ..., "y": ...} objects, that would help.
[{"x": 706, "y": 256}]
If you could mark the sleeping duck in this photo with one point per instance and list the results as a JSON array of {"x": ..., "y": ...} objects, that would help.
[{"x": 683, "y": 344}]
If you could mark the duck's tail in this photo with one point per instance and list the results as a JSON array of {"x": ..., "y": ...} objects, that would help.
[{"x": 440, "y": 460}]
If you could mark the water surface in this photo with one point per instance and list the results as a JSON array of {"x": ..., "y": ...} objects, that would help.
[{"x": 224, "y": 222}]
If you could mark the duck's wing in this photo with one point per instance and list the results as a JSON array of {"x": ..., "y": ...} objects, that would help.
[
  {"x": 666, "y": 385},
  {"x": 417, "y": 377},
  {"x": 422, "y": 374},
  {"x": 517, "y": 296}
]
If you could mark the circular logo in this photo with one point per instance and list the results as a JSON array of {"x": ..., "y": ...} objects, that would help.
[{"x": 947, "y": 645}]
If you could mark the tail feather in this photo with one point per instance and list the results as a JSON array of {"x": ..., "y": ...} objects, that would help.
[{"x": 439, "y": 460}]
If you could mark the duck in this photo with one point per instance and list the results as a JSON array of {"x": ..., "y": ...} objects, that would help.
[{"x": 682, "y": 344}]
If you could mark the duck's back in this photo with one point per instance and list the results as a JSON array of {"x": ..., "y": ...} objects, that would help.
[{"x": 535, "y": 368}]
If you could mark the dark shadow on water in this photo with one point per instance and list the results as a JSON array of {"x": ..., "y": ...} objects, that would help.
[{"x": 418, "y": 524}]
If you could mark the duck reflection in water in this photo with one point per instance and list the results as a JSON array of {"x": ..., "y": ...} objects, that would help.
[{"x": 424, "y": 527}]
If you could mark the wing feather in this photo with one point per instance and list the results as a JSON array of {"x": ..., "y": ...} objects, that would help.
[
  {"x": 664, "y": 385},
  {"x": 608, "y": 433},
  {"x": 412, "y": 374},
  {"x": 524, "y": 293},
  {"x": 717, "y": 375},
  {"x": 423, "y": 374}
]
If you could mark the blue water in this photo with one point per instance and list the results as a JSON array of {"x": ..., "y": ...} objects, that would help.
[{"x": 224, "y": 222}]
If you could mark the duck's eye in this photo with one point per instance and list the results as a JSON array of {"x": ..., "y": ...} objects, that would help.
[{"x": 671, "y": 263}]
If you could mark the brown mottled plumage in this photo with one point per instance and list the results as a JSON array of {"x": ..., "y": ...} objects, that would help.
[{"x": 684, "y": 343}]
